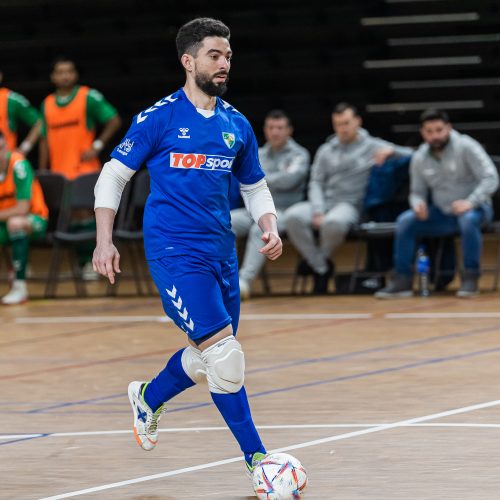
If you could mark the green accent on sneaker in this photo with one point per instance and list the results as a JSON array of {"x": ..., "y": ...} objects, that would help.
[
  {"x": 257, "y": 457},
  {"x": 143, "y": 389}
]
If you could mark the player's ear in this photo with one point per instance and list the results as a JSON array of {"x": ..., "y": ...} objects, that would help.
[{"x": 187, "y": 62}]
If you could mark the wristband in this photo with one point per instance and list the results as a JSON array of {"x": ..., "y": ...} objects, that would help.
[
  {"x": 98, "y": 145},
  {"x": 26, "y": 146}
]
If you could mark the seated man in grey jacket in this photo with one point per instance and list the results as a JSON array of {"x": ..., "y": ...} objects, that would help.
[
  {"x": 455, "y": 172},
  {"x": 286, "y": 165},
  {"x": 339, "y": 176}
]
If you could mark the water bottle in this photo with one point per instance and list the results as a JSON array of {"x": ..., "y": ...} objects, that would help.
[{"x": 423, "y": 268}]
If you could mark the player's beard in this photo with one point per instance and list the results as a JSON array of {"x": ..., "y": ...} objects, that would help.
[{"x": 210, "y": 88}]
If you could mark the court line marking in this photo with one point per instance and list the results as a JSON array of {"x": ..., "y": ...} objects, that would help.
[
  {"x": 165, "y": 319},
  {"x": 260, "y": 427},
  {"x": 335, "y": 379},
  {"x": 443, "y": 315},
  {"x": 256, "y": 317},
  {"x": 339, "y": 437}
]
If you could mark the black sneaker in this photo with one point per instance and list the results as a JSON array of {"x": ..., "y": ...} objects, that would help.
[
  {"x": 321, "y": 280},
  {"x": 304, "y": 269},
  {"x": 399, "y": 288}
]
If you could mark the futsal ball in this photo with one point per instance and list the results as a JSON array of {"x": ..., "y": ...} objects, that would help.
[{"x": 279, "y": 476}]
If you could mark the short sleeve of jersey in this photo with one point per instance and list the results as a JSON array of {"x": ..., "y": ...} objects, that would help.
[
  {"x": 23, "y": 179},
  {"x": 98, "y": 108},
  {"x": 247, "y": 167},
  {"x": 138, "y": 144},
  {"x": 21, "y": 110}
]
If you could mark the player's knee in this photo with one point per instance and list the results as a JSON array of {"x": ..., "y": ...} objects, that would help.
[
  {"x": 225, "y": 366},
  {"x": 15, "y": 224},
  {"x": 193, "y": 364}
]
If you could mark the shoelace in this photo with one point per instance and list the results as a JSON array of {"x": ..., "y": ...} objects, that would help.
[{"x": 156, "y": 418}]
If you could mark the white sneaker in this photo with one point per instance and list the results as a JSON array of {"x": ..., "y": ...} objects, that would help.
[
  {"x": 18, "y": 293},
  {"x": 145, "y": 421},
  {"x": 88, "y": 273},
  {"x": 244, "y": 289}
]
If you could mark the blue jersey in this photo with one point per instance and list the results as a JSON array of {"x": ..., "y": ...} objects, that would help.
[{"x": 190, "y": 159}]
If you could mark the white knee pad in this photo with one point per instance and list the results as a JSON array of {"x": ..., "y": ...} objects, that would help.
[
  {"x": 193, "y": 364},
  {"x": 225, "y": 366}
]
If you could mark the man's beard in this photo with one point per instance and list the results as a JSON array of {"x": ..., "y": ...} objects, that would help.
[
  {"x": 439, "y": 145},
  {"x": 210, "y": 88}
]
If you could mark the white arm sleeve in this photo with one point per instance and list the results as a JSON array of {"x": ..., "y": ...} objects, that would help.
[
  {"x": 111, "y": 183},
  {"x": 258, "y": 200}
]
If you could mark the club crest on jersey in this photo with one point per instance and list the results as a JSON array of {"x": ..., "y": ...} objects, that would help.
[
  {"x": 199, "y": 161},
  {"x": 229, "y": 139}
]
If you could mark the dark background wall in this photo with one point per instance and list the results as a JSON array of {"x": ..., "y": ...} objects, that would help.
[{"x": 302, "y": 56}]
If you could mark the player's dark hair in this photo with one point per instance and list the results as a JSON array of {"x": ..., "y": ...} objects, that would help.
[
  {"x": 191, "y": 35},
  {"x": 62, "y": 59},
  {"x": 344, "y": 106},
  {"x": 434, "y": 114},
  {"x": 278, "y": 114}
]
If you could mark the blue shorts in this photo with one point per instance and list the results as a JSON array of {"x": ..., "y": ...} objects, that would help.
[{"x": 201, "y": 296}]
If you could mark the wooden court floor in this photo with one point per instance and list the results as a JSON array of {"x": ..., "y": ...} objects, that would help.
[{"x": 378, "y": 399}]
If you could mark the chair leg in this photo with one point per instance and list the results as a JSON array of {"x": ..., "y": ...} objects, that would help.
[
  {"x": 303, "y": 284},
  {"x": 296, "y": 278},
  {"x": 438, "y": 260},
  {"x": 357, "y": 262},
  {"x": 135, "y": 268},
  {"x": 77, "y": 274},
  {"x": 497, "y": 268},
  {"x": 265, "y": 281},
  {"x": 294, "y": 283},
  {"x": 53, "y": 275},
  {"x": 144, "y": 269}
]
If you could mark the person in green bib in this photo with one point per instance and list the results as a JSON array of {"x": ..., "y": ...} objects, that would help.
[
  {"x": 16, "y": 111},
  {"x": 70, "y": 117},
  {"x": 23, "y": 216},
  {"x": 70, "y": 144}
]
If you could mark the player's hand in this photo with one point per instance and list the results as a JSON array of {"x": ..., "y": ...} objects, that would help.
[
  {"x": 317, "y": 220},
  {"x": 88, "y": 155},
  {"x": 421, "y": 211},
  {"x": 273, "y": 247},
  {"x": 106, "y": 261},
  {"x": 382, "y": 154},
  {"x": 459, "y": 207}
]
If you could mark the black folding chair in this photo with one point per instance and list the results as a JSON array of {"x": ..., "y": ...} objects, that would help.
[
  {"x": 78, "y": 196},
  {"x": 128, "y": 234},
  {"x": 54, "y": 187}
]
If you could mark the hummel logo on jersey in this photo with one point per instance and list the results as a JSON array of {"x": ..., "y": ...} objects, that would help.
[
  {"x": 201, "y": 161},
  {"x": 184, "y": 132},
  {"x": 125, "y": 147},
  {"x": 144, "y": 114},
  {"x": 229, "y": 139}
]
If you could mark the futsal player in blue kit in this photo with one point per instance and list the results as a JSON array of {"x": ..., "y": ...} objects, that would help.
[{"x": 191, "y": 142}]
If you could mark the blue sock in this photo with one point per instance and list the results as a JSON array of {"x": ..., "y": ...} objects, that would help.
[
  {"x": 172, "y": 380},
  {"x": 236, "y": 412}
]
